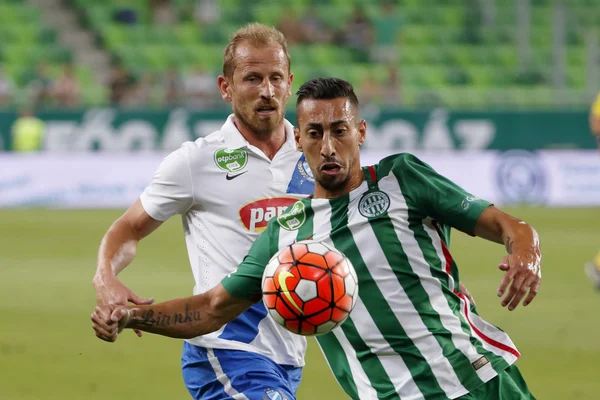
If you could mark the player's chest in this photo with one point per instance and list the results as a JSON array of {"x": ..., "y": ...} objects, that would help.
[{"x": 251, "y": 190}]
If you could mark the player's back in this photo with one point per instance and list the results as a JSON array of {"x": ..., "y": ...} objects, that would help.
[{"x": 227, "y": 191}]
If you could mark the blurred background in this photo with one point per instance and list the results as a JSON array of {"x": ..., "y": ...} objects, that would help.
[{"x": 495, "y": 94}]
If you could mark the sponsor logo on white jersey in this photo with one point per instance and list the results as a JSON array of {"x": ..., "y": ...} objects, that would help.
[
  {"x": 256, "y": 215},
  {"x": 231, "y": 160}
]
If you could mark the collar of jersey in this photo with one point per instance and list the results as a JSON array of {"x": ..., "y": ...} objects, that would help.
[{"x": 235, "y": 140}]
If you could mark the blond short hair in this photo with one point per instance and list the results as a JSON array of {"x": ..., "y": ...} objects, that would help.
[{"x": 257, "y": 35}]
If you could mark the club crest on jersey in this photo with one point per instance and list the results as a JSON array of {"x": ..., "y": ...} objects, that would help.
[
  {"x": 373, "y": 204},
  {"x": 294, "y": 218},
  {"x": 271, "y": 394},
  {"x": 304, "y": 169},
  {"x": 303, "y": 181},
  {"x": 231, "y": 160},
  {"x": 256, "y": 215}
]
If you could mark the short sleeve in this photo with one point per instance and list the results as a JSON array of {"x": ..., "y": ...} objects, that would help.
[
  {"x": 596, "y": 107},
  {"x": 171, "y": 190},
  {"x": 436, "y": 196},
  {"x": 245, "y": 282}
]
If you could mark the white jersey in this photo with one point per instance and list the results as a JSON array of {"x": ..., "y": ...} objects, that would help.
[{"x": 227, "y": 190}]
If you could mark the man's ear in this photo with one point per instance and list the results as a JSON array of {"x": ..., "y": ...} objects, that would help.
[
  {"x": 297, "y": 137},
  {"x": 362, "y": 132},
  {"x": 290, "y": 80},
  {"x": 224, "y": 88}
]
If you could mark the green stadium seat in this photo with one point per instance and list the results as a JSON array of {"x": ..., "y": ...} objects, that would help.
[
  {"x": 187, "y": 34},
  {"x": 506, "y": 56},
  {"x": 576, "y": 77},
  {"x": 326, "y": 54},
  {"x": 334, "y": 16},
  {"x": 462, "y": 54},
  {"x": 457, "y": 76},
  {"x": 439, "y": 60},
  {"x": 541, "y": 36},
  {"x": 413, "y": 35},
  {"x": 449, "y": 15},
  {"x": 447, "y": 35},
  {"x": 414, "y": 15},
  {"x": 576, "y": 55},
  {"x": 485, "y": 77},
  {"x": 434, "y": 76},
  {"x": 114, "y": 35},
  {"x": 506, "y": 14},
  {"x": 541, "y": 16}
]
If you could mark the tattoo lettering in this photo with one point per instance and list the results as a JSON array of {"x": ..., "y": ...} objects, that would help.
[
  {"x": 149, "y": 319},
  {"x": 508, "y": 243}
]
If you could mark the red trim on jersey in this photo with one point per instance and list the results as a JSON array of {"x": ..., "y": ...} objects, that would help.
[
  {"x": 490, "y": 341},
  {"x": 485, "y": 338},
  {"x": 447, "y": 255},
  {"x": 373, "y": 175}
]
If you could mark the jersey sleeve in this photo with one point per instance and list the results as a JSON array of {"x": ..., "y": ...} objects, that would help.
[
  {"x": 436, "y": 196},
  {"x": 246, "y": 281},
  {"x": 171, "y": 190}
]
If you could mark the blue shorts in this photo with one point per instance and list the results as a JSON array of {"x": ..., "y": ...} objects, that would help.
[{"x": 216, "y": 374}]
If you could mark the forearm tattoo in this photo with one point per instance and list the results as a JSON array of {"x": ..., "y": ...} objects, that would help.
[
  {"x": 149, "y": 319},
  {"x": 508, "y": 243}
]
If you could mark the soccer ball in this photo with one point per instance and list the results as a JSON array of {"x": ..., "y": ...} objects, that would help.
[{"x": 309, "y": 287}]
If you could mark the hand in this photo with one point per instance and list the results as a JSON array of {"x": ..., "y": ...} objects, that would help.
[
  {"x": 525, "y": 273},
  {"x": 109, "y": 329},
  {"x": 114, "y": 292},
  {"x": 466, "y": 293}
]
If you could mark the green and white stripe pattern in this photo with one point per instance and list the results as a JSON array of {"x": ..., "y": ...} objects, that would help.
[{"x": 410, "y": 335}]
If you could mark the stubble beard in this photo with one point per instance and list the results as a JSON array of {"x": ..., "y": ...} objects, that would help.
[{"x": 263, "y": 128}]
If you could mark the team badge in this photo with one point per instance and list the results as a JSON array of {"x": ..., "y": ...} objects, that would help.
[
  {"x": 373, "y": 204},
  {"x": 271, "y": 394},
  {"x": 305, "y": 170},
  {"x": 294, "y": 218},
  {"x": 231, "y": 160},
  {"x": 303, "y": 181}
]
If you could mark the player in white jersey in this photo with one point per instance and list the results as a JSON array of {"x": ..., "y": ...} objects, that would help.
[
  {"x": 226, "y": 186},
  {"x": 412, "y": 335}
]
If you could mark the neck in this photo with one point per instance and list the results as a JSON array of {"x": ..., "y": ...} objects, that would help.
[
  {"x": 269, "y": 143},
  {"x": 357, "y": 177}
]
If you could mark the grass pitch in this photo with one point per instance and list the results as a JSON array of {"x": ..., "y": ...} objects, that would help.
[{"x": 48, "y": 349}]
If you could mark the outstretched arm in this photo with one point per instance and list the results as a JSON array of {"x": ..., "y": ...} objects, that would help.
[
  {"x": 117, "y": 250},
  {"x": 522, "y": 264},
  {"x": 181, "y": 318},
  {"x": 169, "y": 193}
]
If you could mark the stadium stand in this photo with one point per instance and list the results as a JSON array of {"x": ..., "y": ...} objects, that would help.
[
  {"x": 26, "y": 43},
  {"x": 441, "y": 52}
]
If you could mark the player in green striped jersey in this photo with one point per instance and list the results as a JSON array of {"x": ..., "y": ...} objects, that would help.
[{"x": 411, "y": 335}]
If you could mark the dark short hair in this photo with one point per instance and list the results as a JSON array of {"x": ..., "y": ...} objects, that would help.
[{"x": 326, "y": 89}]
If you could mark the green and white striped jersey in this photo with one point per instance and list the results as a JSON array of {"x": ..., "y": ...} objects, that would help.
[{"x": 411, "y": 334}]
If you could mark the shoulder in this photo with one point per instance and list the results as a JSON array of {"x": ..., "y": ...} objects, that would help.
[
  {"x": 200, "y": 149},
  {"x": 397, "y": 164}
]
